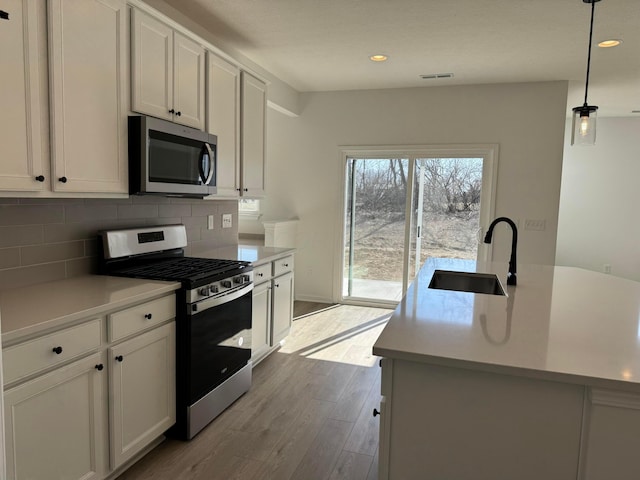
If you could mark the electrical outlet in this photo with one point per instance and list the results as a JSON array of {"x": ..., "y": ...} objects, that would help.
[
  {"x": 210, "y": 222},
  {"x": 227, "y": 220},
  {"x": 532, "y": 224}
]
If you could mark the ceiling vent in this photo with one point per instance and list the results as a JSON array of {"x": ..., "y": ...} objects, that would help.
[{"x": 436, "y": 75}]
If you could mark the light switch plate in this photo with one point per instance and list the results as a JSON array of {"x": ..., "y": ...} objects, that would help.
[{"x": 227, "y": 220}]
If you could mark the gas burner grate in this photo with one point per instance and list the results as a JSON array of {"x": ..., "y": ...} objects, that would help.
[{"x": 181, "y": 269}]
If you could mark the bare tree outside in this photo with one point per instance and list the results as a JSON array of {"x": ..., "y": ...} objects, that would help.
[{"x": 376, "y": 206}]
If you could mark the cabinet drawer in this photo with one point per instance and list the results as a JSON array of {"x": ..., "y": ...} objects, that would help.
[
  {"x": 30, "y": 357},
  {"x": 141, "y": 317},
  {"x": 283, "y": 265},
  {"x": 262, "y": 273}
]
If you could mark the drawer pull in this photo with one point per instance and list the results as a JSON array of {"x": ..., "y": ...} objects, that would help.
[
  {"x": 148, "y": 316},
  {"x": 40, "y": 178},
  {"x": 99, "y": 367},
  {"x": 285, "y": 264},
  {"x": 375, "y": 412},
  {"x": 57, "y": 350},
  {"x": 119, "y": 358}
]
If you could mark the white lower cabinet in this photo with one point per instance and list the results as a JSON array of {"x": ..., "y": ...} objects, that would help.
[
  {"x": 272, "y": 306},
  {"x": 55, "y": 424},
  {"x": 87, "y": 404},
  {"x": 261, "y": 321},
  {"x": 610, "y": 442},
  {"x": 282, "y": 307},
  {"x": 455, "y": 423},
  {"x": 142, "y": 386}
]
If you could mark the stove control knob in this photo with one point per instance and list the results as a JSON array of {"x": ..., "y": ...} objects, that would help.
[
  {"x": 239, "y": 279},
  {"x": 214, "y": 289},
  {"x": 204, "y": 291},
  {"x": 226, "y": 283}
]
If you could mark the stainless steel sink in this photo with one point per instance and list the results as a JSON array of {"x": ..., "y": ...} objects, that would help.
[{"x": 467, "y": 282}]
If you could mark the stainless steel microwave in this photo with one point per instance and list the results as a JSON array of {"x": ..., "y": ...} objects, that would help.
[{"x": 169, "y": 159}]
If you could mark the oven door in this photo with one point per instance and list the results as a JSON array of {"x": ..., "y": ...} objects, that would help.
[{"x": 219, "y": 340}]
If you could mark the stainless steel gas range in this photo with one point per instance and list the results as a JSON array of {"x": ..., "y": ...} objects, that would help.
[{"x": 213, "y": 317}]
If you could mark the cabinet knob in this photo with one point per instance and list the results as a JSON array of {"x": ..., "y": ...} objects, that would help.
[
  {"x": 99, "y": 367},
  {"x": 246, "y": 189},
  {"x": 178, "y": 113},
  {"x": 40, "y": 178},
  {"x": 63, "y": 179},
  {"x": 172, "y": 111},
  {"x": 119, "y": 358},
  {"x": 57, "y": 350},
  {"x": 261, "y": 274},
  {"x": 285, "y": 264},
  {"x": 148, "y": 316},
  {"x": 277, "y": 285},
  {"x": 375, "y": 412}
]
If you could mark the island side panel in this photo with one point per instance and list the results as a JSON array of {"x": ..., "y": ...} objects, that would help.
[{"x": 463, "y": 424}]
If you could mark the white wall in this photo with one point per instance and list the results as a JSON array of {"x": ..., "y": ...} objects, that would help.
[
  {"x": 304, "y": 170},
  {"x": 599, "y": 219}
]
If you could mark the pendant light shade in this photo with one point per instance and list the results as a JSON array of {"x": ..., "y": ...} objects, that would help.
[
  {"x": 584, "y": 125},
  {"x": 584, "y": 117}
]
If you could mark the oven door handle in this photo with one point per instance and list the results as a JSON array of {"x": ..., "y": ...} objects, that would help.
[{"x": 221, "y": 300}]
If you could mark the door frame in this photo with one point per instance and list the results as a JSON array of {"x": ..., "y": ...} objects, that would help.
[{"x": 488, "y": 152}]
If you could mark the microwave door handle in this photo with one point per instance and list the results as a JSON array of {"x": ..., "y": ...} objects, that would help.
[{"x": 206, "y": 178}]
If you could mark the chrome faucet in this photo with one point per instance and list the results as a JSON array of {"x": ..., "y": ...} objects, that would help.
[{"x": 511, "y": 276}]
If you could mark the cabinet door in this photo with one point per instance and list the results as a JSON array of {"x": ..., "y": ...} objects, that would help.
[
  {"x": 20, "y": 130},
  {"x": 253, "y": 118},
  {"x": 151, "y": 66},
  {"x": 142, "y": 388},
  {"x": 260, "y": 321},
  {"x": 223, "y": 120},
  {"x": 610, "y": 447},
  {"x": 188, "y": 78},
  {"x": 55, "y": 424},
  {"x": 282, "y": 307},
  {"x": 88, "y": 95}
]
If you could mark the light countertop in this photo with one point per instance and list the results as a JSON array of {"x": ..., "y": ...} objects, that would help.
[
  {"x": 255, "y": 254},
  {"x": 35, "y": 309},
  {"x": 558, "y": 323}
]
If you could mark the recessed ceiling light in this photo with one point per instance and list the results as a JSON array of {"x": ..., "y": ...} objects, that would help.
[
  {"x": 378, "y": 58},
  {"x": 609, "y": 43}
]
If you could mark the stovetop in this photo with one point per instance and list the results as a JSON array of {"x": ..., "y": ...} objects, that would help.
[
  {"x": 157, "y": 253},
  {"x": 190, "y": 271}
]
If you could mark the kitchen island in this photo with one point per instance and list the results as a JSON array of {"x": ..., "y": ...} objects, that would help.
[{"x": 541, "y": 383}]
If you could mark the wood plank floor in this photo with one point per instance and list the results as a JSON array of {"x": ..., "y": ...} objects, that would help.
[{"x": 308, "y": 415}]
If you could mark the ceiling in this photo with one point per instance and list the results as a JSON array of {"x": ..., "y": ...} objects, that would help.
[{"x": 321, "y": 45}]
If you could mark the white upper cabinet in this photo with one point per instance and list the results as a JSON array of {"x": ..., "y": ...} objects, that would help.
[
  {"x": 167, "y": 72},
  {"x": 223, "y": 120},
  {"x": 22, "y": 167},
  {"x": 87, "y": 80},
  {"x": 253, "y": 122}
]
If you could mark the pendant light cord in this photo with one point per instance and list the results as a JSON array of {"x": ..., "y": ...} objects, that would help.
[{"x": 586, "y": 87}]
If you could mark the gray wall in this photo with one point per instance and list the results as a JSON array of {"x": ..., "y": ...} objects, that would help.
[
  {"x": 598, "y": 222},
  {"x": 50, "y": 239}
]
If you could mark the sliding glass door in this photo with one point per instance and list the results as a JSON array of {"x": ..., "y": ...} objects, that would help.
[
  {"x": 401, "y": 209},
  {"x": 375, "y": 215}
]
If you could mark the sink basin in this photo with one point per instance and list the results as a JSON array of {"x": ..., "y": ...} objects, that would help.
[{"x": 467, "y": 282}]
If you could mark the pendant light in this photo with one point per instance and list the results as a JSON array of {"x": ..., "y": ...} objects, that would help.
[{"x": 584, "y": 117}]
